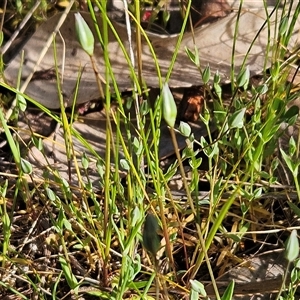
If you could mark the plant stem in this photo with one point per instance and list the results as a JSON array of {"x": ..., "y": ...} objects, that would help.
[{"x": 191, "y": 203}]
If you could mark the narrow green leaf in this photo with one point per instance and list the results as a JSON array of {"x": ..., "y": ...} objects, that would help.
[
  {"x": 65, "y": 183},
  {"x": 197, "y": 59},
  {"x": 185, "y": 129},
  {"x": 194, "y": 295},
  {"x": 21, "y": 102},
  {"x": 294, "y": 208},
  {"x": 284, "y": 22},
  {"x": 198, "y": 287},
  {"x": 205, "y": 116},
  {"x": 1, "y": 37},
  {"x": 291, "y": 112},
  {"x": 237, "y": 119},
  {"x": 292, "y": 146},
  {"x": 228, "y": 292},
  {"x": 100, "y": 168},
  {"x": 10, "y": 139},
  {"x": 217, "y": 78},
  {"x": 166, "y": 17},
  {"x": 203, "y": 142},
  {"x": 257, "y": 192},
  {"x": 51, "y": 195},
  {"x": 3, "y": 188},
  {"x": 195, "y": 164},
  {"x": 297, "y": 264},
  {"x": 136, "y": 216},
  {"x": 124, "y": 164},
  {"x": 194, "y": 57},
  {"x": 243, "y": 77},
  {"x": 206, "y": 75},
  {"x": 37, "y": 142},
  {"x": 190, "y": 54},
  {"x": 26, "y": 166},
  {"x": 262, "y": 89},
  {"x": 84, "y": 161},
  {"x": 291, "y": 115},
  {"x": 293, "y": 167},
  {"x": 70, "y": 277},
  {"x": 67, "y": 225},
  {"x": 294, "y": 275},
  {"x": 234, "y": 237},
  {"x": 170, "y": 172},
  {"x": 137, "y": 146}
]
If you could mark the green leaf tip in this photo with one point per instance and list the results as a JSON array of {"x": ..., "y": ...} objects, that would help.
[
  {"x": 243, "y": 77},
  {"x": 84, "y": 34},
  {"x": 169, "y": 108}
]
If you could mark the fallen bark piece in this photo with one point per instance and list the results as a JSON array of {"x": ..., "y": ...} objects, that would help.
[{"x": 214, "y": 43}]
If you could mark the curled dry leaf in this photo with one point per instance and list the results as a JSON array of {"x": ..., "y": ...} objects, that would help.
[{"x": 191, "y": 105}]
